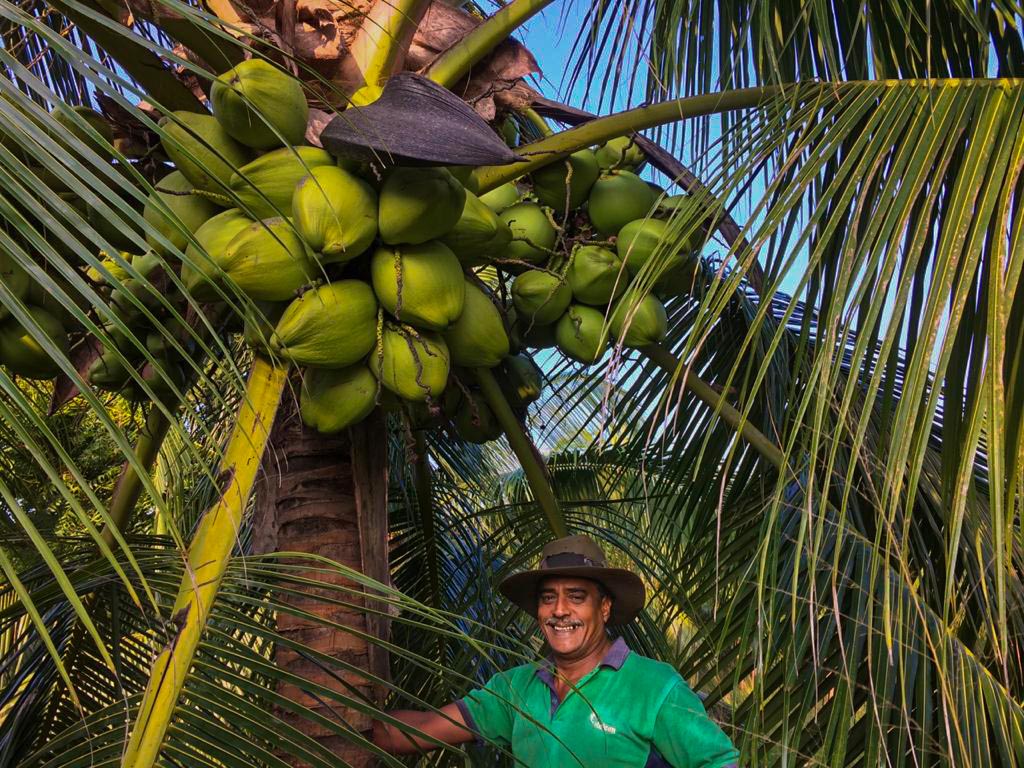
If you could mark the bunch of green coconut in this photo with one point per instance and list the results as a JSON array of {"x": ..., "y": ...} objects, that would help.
[
  {"x": 359, "y": 277},
  {"x": 595, "y": 251},
  {"x": 386, "y": 286}
]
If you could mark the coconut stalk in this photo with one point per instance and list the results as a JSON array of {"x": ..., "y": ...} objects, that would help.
[
  {"x": 534, "y": 468},
  {"x": 379, "y": 47},
  {"x": 208, "y": 558},
  {"x": 551, "y": 148},
  {"x": 129, "y": 482},
  {"x": 455, "y": 63},
  {"x": 760, "y": 442}
]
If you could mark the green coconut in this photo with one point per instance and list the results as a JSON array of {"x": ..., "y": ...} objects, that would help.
[
  {"x": 478, "y": 234},
  {"x": 422, "y": 285},
  {"x": 336, "y": 214},
  {"x": 533, "y": 234},
  {"x": 109, "y": 371},
  {"x": 412, "y": 364},
  {"x": 332, "y": 326},
  {"x": 259, "y": 324},
  {"x": 540, "y": 298},
  {"x": 333, "y": 400},
  {"x": 202, "y": 150},
  {"x": 24, "y": 354},
  {"x": 596, "y": 275},
  {"x": 620, "y": 153},
  {"x": 162, "y": 376},
  {"x": 259, "y": 105},
  {"x": 96, "y": 121},
  {"x": 577, "y": 172},
  {"x": 500, "y": 198},
  {"x": 464, "y": 175},
  {"x": 174, "y": 212},
  {"x": 15, "y": 280},
  {"x": 521, "y": 380},
  {"x": 638, "y": 324},
  {"x": 419, "y": 204},
  {"x": 536, "y": 336},
  {"x": 581, "y": 335},
  {"x": 268, "y": 261},
  {"x": 672, "y": 264},
  {"x": 265, "y": 186},
  {"x": 59, "y": 301},
  {"x": 616, "y": 199},
  {"x": 685, "y": 214},
  {"x": 478, "y": 338},
  {"x": 475, "y": 422},
  {"x": 200, "y": 271}
]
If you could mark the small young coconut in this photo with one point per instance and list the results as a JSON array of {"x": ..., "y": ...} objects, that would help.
[
  {"x": 581, "y": 334},
  {"x": 638, "y": 324},
  {"x": 596, "y": 275},
  {"x": 422, "y": 285},
  {"x": 412, "y": 364},
  {"x": 500, "y": 198},
  {"x": 259, "y": 105},
  {"x": 26, "y": 355},
  {"x": 564, "y": 184},
  {"x": 478, "y": 234},
  {"x": 202, "y": 150},
  {"x": 333, "y": 400},
  {"x": 617, "y": 198},
  {"x": 265, "y": 187},
  {"x": 336, "y": 213},
  {"x": 419, "y": 204},
  {"x": 332, "y": 326},
  {"x": 533, "y": 234},
  {"x": 621, "y": 153},
  {"x": 478, "y": 338},
  {"x": 174, "y": 212},
  {"x": 540, "y": 298}
]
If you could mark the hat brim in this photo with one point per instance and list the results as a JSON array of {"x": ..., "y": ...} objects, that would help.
[{"x": 626, "y": 588}]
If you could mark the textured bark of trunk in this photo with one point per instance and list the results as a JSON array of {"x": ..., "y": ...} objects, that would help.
[{"x": 327, "y": 495}]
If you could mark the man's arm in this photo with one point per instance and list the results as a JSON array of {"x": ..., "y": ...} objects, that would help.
[{"x": 446, "y": 725}]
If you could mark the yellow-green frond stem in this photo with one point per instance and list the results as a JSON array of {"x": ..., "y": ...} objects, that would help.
[
  {"x": 760, "y": 442},
  {"x": 381, "y": 43},
  {"x": 453, "y": 64},
  {"x": 208, "y": 557},
  {"x": 533, "y": 467}
]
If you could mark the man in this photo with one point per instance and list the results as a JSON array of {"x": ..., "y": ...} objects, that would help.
[{"x": 595, "y": 703}]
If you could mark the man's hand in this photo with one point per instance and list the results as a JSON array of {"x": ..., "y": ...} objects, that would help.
[{"x": 447, "y": 725}]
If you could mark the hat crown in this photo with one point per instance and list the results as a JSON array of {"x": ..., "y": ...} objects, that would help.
[{"x": 576, "y": 550}]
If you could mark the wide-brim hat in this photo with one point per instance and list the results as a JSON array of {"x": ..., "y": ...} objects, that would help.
[{"x": 578, "y": 557}]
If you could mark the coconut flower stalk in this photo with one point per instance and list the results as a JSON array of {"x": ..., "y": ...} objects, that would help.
[{"x": 536, "y": 472}]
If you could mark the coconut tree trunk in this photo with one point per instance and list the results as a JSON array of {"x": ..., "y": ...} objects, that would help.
[{"x": 327, "y": 495}]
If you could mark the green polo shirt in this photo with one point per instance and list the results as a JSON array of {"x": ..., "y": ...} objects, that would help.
[{"x": 628, "y": 712}]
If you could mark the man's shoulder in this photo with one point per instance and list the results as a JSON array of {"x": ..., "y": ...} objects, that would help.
[{"x": 651, "y": 669}]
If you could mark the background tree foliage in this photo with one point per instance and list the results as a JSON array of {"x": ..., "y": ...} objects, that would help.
[{"x": 847, "y": 592}]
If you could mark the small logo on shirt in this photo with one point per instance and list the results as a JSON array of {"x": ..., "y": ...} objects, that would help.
[{"x": 596, "y": 722}]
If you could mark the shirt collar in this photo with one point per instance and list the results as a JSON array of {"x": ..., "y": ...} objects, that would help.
[
  {"x": 616, "y": 655},
  {"x": 614, "y": 658}
]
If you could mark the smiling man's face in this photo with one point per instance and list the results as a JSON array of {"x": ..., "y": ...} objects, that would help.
[{"x": 572, "y": 615}]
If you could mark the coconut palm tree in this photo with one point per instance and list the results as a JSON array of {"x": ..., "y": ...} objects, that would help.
[{"x": 817, "y": 472}]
